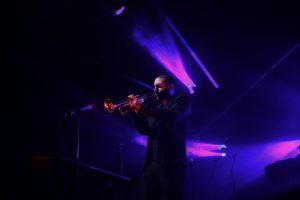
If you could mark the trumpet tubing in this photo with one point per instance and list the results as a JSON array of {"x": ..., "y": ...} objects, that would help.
[{"x": 110, "y": 107}]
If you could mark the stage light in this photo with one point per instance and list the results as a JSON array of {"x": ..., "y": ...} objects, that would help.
[
  {"x": 200, "y": 149},
  {"x": 194, "y": 149},
  {"x": 118, "y": 7},
  {"x": 193, "y": 54},
  {"x": 119, "y": 11},
  {"x": 222, "y": 146}
]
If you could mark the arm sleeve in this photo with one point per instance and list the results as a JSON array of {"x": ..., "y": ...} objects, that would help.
[
  {"x": 142, "y": 126},
  {"x": 178, "y": 110}
]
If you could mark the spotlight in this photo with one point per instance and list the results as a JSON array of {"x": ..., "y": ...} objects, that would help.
[
  {"x": 119, "y": 7},
  {"x": 163, "y": 48},
  {"x": 119, "y": 11},
  {"x": 222, "y": 146}
]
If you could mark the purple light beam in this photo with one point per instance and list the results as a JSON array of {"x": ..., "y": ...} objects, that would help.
[
  {"x": 163, "y": 48},
  {"x": 197, "y": 149},
  {"x": 188, "y": 47}
]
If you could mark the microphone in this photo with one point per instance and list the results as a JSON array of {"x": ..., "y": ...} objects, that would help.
[{"x": 82, "y": 109}]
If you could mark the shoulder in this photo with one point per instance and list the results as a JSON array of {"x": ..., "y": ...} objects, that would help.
[{"x": 181, "y": 97}]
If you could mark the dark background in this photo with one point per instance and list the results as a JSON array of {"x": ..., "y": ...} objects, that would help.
[{"x": 63, "y": 55}]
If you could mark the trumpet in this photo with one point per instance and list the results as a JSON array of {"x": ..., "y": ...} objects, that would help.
[{"x": 123, "y": 107}]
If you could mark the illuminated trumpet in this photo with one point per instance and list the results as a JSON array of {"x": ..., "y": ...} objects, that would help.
[{"x": 123, "y": 107}]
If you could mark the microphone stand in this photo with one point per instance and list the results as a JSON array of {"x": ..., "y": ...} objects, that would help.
[
  {"x": 77, "y": 113},
  {"x": 77, "y": 157},
  {"x": 119, "y": 156}
]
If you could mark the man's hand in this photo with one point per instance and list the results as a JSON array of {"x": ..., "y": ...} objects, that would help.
[{"x": 135, "y": 102}]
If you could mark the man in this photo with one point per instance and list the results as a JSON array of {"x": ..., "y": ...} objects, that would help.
[{"x": 164, "y": 122}]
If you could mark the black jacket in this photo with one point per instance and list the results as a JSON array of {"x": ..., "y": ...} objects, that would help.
[{"x": 166, "y": 125}]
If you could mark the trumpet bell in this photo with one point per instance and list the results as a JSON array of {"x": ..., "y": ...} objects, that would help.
[{"x": 109, "y": 106}]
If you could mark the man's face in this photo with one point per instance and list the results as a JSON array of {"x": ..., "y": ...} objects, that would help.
[
  {"x": 162, "y": 90},
  {"x": 159, "y": 85}
]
